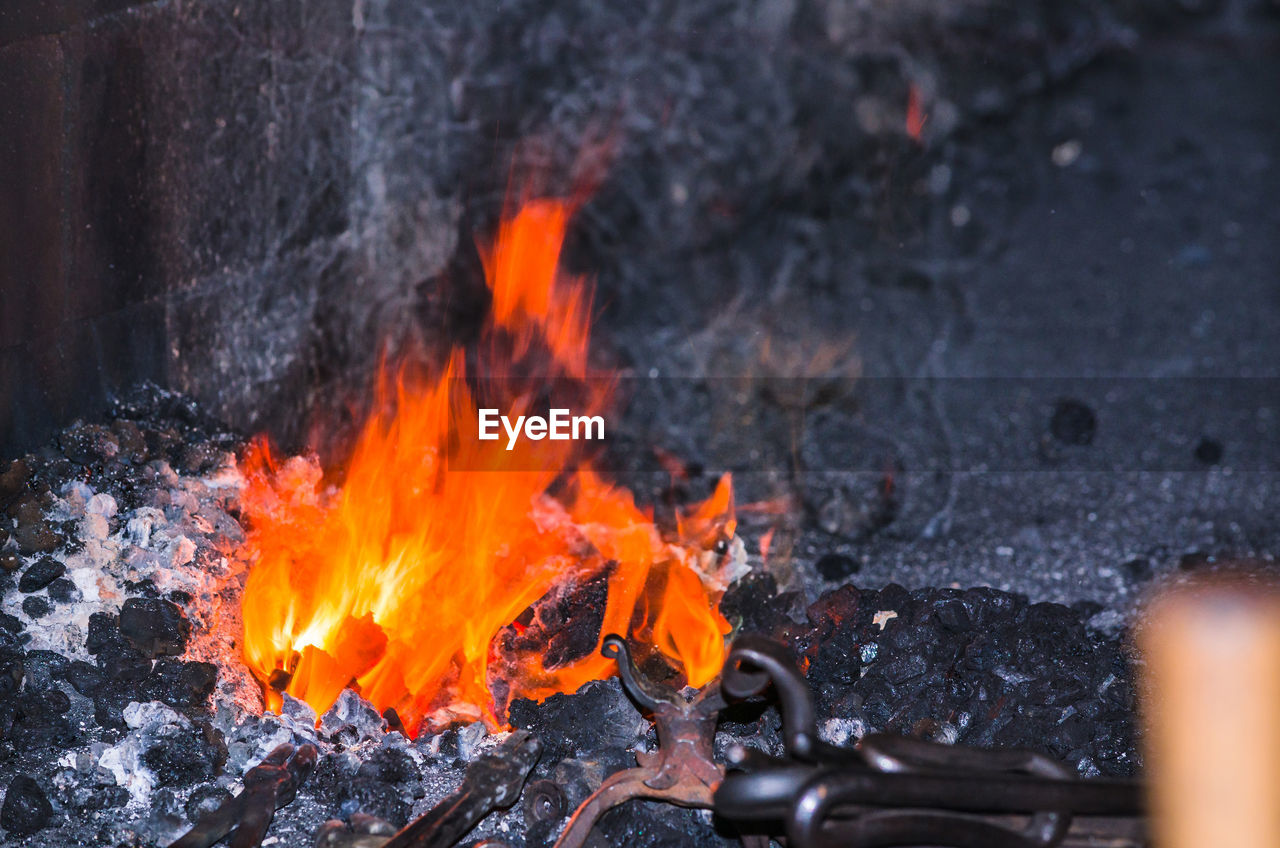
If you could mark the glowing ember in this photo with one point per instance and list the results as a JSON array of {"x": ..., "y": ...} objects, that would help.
[{"x": 398, "y": 582}]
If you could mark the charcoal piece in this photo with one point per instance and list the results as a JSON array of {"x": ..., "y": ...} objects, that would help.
[
  {"x": 54, "y": 702},
  {"x": 185, "y": 757},
  {"x": 26, "y": 809},
  {"x": 155, "y": 627},
  {"x": 182, "y": 685},
  {"x": 1208, "y": 451},
  {"x": 83, "y": 677},
  {"x": 34, "y": 721},
  {"x": 902, "y": 668},
  {"x": 10, "y": 623},
  {"x": 108, "y": 797},
  {"x": 12, "y": 481},
  {"x": 953, "y": 615},
  {"x": 564, "y": 626},
  {"x": 203, "y": 800},
  {"x": 36, "y": 606},
  {"x": 372, "y": 797},
  {"x": 63, "y": 591},
  {"x": 199, "y": 458},
  {"x": 1138, "y": 570},
  {"x": 41, "y": 573},
  {"x": 597, "y": 718},
  {"x": 104, "y": 631},
  {"x": 35, "y": 536},
  {"x": 9, "y": 562},
  {"x": 1073, "y": 423},
  {"x": 390, "y": 765},
  {"x": 1195, "y": 561},
  {"x": 88, "y": 444},
  {"x": 753, "y": 604},
  {"x": 133, "y": 445},
  {"x": 43, "y": 668},
  {"x": 835, "y": 567}
]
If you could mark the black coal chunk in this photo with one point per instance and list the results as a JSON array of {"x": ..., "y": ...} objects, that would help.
[
  {"x": 104, "y": 631},
  {"x": 597, "y": 718},
  {"x": 183, "y": 758},
  {"x": 372, "y": 797},
  {"x": 204, "y": 800},
  {"x": 1073, "y": 422},
  {"x": 106, "y": 798},
  {"x": 83, "y": 677},
  {"x": 63, "y": 591},
  {"x": 26, "y": 808},
  {"x": 36, "y": 606},
  {"x": 1138, "y": 570},
  {"x": 87, "y": 444},
  {"x": 41, "y": 573},
  {"x": 1209, "y": 451},
  {"x": 979, "y": 667},
  {"x": 44, "y": 667},
  {"x": 837, "y": 566},
  {"x": 182, "y": 685},
  {"x": 154, "y": 626}
]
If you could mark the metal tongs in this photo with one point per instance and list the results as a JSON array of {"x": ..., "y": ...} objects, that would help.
[
  {"x": 682, "y": 771},
  {"x": 899, "y": 791}
]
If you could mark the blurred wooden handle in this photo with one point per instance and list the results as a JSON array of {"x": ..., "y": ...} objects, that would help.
[{"x": 1211, "y": 704}]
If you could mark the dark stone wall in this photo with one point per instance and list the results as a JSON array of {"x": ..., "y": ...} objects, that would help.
[
  {"x": 245, "y": 199},
  {"x": 183, "y": 199}
]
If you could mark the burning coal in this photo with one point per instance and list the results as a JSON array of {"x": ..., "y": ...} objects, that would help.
[{"x": 399, "y": 582}]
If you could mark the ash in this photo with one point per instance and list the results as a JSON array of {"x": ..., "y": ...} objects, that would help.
[{"x": 128, "y": 712}]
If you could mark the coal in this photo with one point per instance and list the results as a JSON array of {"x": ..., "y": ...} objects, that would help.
[
  {"x": 182, "y": 758},
  {"x": 104, "y": 631},
  {"x": 41, "y": 573},
  {"x": 835, "y": 567},
  {"x": 372, "y": 797},
  {"x": 43, "y": 668},
  {"x": 1138, "y": 569},
  {"x": 597, "y": 718},
  {"x": 36, "y": 606},
  {"x": 26, "y": 808},
  {"x": 63, "y": 591},
  {"x": 83, "y": 677},
  {"x": 204, "y": 800},
  {"x": 995, "y": 668},
  {"x": 89, "y": 444},
  {"x": 33, "y": 534},
  {"x": 1073, "y": 422},
  {"x": 154, "y": 626},
  {"x": 185, "y": 686},
  {"x": 1208, "y": 451}
]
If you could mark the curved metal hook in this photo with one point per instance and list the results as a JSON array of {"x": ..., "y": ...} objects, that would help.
[
  {"x": 637, "y": 685},
  {"x": 753, "y": 662}
]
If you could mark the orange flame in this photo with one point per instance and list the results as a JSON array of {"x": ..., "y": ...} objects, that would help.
[{"x": 400, "y": 582}]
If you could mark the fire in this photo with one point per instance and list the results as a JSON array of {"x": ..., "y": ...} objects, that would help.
[{"x": 409, "y": 581}]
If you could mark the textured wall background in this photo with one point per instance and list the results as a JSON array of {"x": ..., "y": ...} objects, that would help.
[{"x": 240, "y": 199}]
